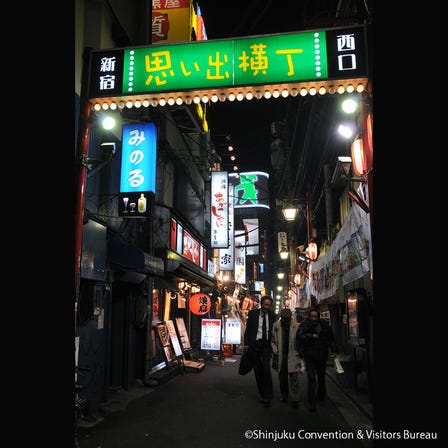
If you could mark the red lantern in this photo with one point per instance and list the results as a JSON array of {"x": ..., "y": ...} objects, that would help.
[
  {"x": 358, "y": 157},
  {"x": 200, "y": 303},
  {"x": 312, "y": 251},
  {"x": 368, "y": 142},
  {"x": 297, "y": 279}
]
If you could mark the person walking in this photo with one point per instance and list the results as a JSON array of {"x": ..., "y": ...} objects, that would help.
[
  {"x": 283, "y": 343},
  {"x": 315, "y": 340},
  {"x": 257, "y": 337}
]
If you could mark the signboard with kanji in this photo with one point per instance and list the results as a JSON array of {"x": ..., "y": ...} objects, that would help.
[
  {"x": 219, "y": 209},
  {"x": 336, "y": 53}
]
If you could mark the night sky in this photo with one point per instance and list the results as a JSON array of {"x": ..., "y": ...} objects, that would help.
[{"x": 248, "y": 122}]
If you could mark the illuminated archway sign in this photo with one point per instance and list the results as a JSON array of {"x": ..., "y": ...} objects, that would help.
[{"x": 320, "y": 61}]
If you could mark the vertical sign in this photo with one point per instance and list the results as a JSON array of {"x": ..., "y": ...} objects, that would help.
[
  {"x": 251, "y": 229},
  {"x": 219, "y": 209},
  {"x": 173, "y": 230},
  {"x": 211, "y": 334},
  {"x": 240, "y": 257},
  {"x": 106, "y": 73},
  {"x": 227, "y": 256},
  {"x": 211, "y": 268},
  {"x": 346, "y": 52},
  {"x": 138, "y": 169},
  {"x": 190, "y": 248},
  {"x": 282, "y": 241},
  {"x": 179, "y": 239}
]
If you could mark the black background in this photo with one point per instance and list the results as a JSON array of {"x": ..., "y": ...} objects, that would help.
[{"x": 409, "y": 233}]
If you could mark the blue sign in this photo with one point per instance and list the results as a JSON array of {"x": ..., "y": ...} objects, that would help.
[{"x": 138, "y": 158}]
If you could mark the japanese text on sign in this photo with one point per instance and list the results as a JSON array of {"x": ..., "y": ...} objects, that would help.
[
  {"x": 219, "y": 209},
  {"x": 281, "y": 58},
  {"x": 211, "y": 334},
  {"x": 138, "y": 160}
]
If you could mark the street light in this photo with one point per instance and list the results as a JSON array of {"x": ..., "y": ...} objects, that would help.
[
  {"x": 350, "y": 105},
  {"x": 290, "y": 212},
  {"x": 284, "y": 253},
  {"x": 108, "y": 122}
]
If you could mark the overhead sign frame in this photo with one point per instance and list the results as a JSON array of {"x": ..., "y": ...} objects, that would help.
[{"x": 313, "y": 61}]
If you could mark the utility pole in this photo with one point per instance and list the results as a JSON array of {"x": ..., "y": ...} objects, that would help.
[
  {"x": 82, "y": 149},
  {"x": 309, "y": 214},
  {"x": 328, "y": 201}
]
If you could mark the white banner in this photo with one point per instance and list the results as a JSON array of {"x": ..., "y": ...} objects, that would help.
[
  {"x": 219, "y": 209},
  {"x": 252, "y": 230},
  {"x": 348, "y": 256},
  {"x": 240, "y": 257},
  {"x": 282, "y": 241},
  {"x": 227, "y": 256}
]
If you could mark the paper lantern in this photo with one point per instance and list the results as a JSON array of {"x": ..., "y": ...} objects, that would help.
[
  {"x": 368, "y": 142},
  {"x": 200, "y": 303},
  {"x": 358, "y": 157},
  {"x": 312, "y": 251},
  {"x": 297, "y": 279}
]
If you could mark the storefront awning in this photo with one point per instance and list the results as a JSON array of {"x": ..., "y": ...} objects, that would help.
[
  {"x": 164, "y": 283},
  {"x": 125, "y": 257},
  {"x": 181, "y": 267}
]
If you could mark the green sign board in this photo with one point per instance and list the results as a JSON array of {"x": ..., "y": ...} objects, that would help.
[
  {"x": 281, "y": 58},
  {"x": 277, "y": 58},
  {"x": 268, "y": 59},
  {"x": 178, "y": 67}
]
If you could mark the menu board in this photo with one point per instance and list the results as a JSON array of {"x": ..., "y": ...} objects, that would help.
[
  {"x": 232, "y": 331},
  {"x": 211, "y": 334},
  {"x": 183, "y": 335},
  {"x": 165, "y": 341},
  {"x": 163, "y": 335},
  {"x": 173, "y": 337}
]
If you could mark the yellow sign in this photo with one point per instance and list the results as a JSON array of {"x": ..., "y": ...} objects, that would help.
[{"x": 171, "y": 21}]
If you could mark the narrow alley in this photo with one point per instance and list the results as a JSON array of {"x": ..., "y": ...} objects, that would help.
[{"x": 220, "y": 408}]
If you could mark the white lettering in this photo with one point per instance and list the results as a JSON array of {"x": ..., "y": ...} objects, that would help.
[
  {"x": 346, "y": 42},
  {"x": 347, "y": 62},
  {"x": 107, "y": 82},
  {"x": 419, "y": 435},
  {"x": 107, "y": 64}
]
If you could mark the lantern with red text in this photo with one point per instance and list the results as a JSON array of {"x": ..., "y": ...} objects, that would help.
[
  {"x": 200, "y": 304},
  {"x": 297, "y": 279},
  {"x": 312, "y": 251}
]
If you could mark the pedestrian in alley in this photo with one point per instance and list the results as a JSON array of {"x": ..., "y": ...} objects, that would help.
[
  {"x": 257, "y": 337},
  {"x": 284, "y": 347},
  {"x": 315, "y": 340}
]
